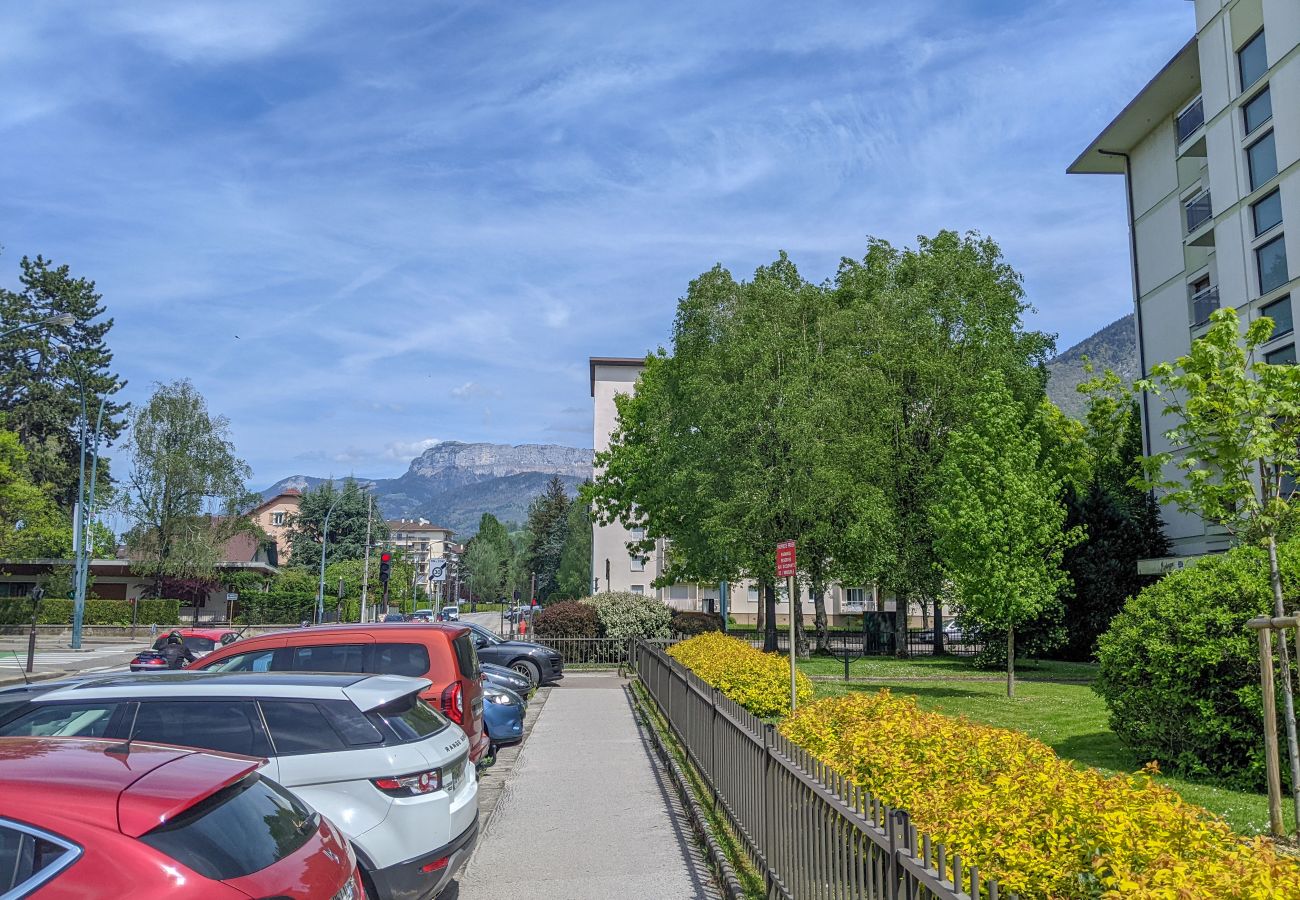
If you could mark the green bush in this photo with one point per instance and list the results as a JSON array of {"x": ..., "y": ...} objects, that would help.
[
  {"x": 1180, "y": 670},
  {"x": 18, "y": 611},
  {"x": 625, "y": 615},
  {"x": 567, "y": 619},
  {"x": 693, "y": 623}
]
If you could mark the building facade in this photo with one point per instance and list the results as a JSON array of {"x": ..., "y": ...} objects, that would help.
[
  {"x": 274, "y": 516},
  {"x": 425, "y": 545},
  {"x": 1210, "y": 150}
]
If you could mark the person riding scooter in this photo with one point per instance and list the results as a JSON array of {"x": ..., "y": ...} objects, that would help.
[{"x": 175, "y": 652}]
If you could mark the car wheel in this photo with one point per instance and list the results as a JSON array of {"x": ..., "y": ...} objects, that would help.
[{"x": 528, "y": 669}]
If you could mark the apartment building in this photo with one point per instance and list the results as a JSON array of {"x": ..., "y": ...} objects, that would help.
[
  {"x": 423, "y": 544},
  {"x": 1210, "y": 151},
  {"x": 614, "y": 568}
]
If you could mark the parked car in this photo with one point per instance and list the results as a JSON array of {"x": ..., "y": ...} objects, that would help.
[
  {"x": 509, "y": 679},
  {"x": 422, "y": 615},
  {"x": 394, "y": 617},
  {"x": 952, "y": 634},
  {"x": 444, "y": 654},
  {"x": 199, "y": 641},
  {"x": 364, "y": 750},
  {"x": 98, "y": 818},
  {"x": 450, "y": 614},
  {"x": 541, "y": 664},
  {"x": 503, "y": 713}
]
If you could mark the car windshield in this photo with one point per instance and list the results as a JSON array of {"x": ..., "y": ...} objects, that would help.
[{"x": 193, "y": 644}]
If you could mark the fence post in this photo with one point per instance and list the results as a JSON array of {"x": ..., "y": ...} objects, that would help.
[
  {"x": 713, "y": 745},
  {"x": 1271, "y": 750}
]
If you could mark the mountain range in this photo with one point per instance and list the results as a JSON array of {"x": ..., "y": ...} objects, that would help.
[{"x": 1113, "y": 347}]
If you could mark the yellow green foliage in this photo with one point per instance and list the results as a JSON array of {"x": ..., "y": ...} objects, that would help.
[
  {"x": 758, "y": 681},
  {"x": 1038, "y": 824}
]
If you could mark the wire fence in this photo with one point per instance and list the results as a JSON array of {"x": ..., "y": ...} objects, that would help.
[{"x": 804, "y": 827}]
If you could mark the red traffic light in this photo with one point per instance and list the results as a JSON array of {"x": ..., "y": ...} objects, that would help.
[{"x": 385, "y": 557}]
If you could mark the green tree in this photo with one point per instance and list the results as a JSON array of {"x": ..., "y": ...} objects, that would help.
[
  {"x": 347, "y": 526},
  {"x": 548, "y": 517},
  {"x": 185, "y": 493},
  {"x": 573, "y": 580},
  {"x": 47, "y": 371},
  {"x": 31, "y": 523},
  {"x": 1237, "y": 434},
  {"x": 999, "y": 530},
  {"x": 487, "y": 558}
]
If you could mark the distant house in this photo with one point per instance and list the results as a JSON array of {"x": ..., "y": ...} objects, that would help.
[{"x": 274, "y": 515}]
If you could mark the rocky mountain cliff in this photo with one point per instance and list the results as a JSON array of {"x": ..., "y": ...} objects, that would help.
[
  {"x": 454, "y": 483},
  {"x": 1113, "y": 347}
]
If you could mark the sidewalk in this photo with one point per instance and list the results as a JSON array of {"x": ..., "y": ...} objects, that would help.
[{"x": 587, "y": 813}]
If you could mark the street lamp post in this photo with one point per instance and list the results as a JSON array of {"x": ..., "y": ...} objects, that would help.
[
  {"x": 60, "y": 319},
  {"x": 83, "y": 511},
  {"x": 324, "y": 542}
]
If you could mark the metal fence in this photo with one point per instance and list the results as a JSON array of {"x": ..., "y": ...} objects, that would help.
[
  {"x": 595, "y": 653},
  {"x": 881, "y": 642},
  {"x": 805, "y": 828}
]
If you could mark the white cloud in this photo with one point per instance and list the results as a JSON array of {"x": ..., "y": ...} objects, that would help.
[
  {"x": 214, "y": 31},
  {"x": 471, "y": 389},
  {"x": 407, "y": 450}
]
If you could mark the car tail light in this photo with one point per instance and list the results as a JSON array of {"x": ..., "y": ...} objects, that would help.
[
  {"x": 453, "y": 702},
  {"x": 149, "y": 661},
  {"x": 413, "y": 785},
  {"x": 435, "y": 865}
]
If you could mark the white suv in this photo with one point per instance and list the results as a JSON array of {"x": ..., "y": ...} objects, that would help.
[{"x": 364, "y": 750}]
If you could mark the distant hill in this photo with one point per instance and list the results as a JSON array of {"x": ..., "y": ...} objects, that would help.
[
  {"x": 1113, "y": 347},
  {"x": 454, "y": 483}
]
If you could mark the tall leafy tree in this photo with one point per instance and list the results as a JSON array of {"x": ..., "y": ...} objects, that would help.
[
  {"x": 31, "y": 523},
  {"x": 186, "y": 490},
  {"x": 573, "y": 580},
  {"x": 487, "y": 558},
  {"x": 347, "y": 523},
  {"x": 548, "y": 517},
  {"x": 999, "y": 531},
  {"x": 47, "y": 371}
]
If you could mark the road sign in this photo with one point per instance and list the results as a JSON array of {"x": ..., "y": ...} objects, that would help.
[
  {"x": 785, "y": 561},
  {"x": 231, "y": 598},
  {"x": 438, "y": 570},
  {"x": 1165, "y": 564}
]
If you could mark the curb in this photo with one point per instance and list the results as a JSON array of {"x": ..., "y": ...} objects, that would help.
[
  {"x": 721, "y": 865},
  {"x": 8, "y": 681}
]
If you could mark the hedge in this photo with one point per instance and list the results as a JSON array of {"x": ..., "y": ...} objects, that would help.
[
  {"x": 1033, "y": 821},
  {"x": 567, "y": 619},
  {"x": 758, "y": 681},
  {"x": 692, "y": 623},
  {"x": 18, "y": 611},
  {"x": 627, "y": 615}
]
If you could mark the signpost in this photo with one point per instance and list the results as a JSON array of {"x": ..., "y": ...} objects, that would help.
[{"x": 786, "y": 567}]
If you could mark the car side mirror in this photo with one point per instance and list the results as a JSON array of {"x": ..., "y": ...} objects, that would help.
[{"x": 228, "y": 639}]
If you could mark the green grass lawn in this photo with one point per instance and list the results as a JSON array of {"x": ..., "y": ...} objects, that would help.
[
  {"x": 948, "y": 667},
  {"x": 1069, "y": 718}
]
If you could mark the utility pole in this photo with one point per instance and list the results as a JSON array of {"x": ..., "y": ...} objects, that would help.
[{"x": 365, "y": 570}]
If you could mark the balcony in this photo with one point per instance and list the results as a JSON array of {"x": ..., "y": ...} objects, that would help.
[
  {"x": 1204, "y": 303},
  {"x": 1198, "y": 211},
  {"x": 1190, "y": 119}
]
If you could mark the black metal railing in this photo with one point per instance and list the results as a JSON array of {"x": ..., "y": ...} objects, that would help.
[
  {"x": 805, "y": 828},
  {"x": 1199, "y": 211},
  {"x": 879, "y": 641},
  {"x": 1190, "y": 119},
  {"x": 1204, "y": 303},
  {"x": 595, "y": 653}
]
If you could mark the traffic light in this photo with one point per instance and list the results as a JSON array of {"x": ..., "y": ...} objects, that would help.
[{"x": 385, "y": 566}]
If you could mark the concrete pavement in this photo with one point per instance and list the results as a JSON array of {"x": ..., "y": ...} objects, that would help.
[{"x": 588, "y": 812}]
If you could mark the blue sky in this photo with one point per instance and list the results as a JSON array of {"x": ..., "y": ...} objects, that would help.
[{"x": 362, "y": 228}]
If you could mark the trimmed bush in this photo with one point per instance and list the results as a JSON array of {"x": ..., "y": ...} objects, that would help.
[
  {"x": 1034, "y": 821},
  {"x": 692, "y": 623},
  {"x": 567, "y": 619},
  {"x": 1180, "y": 670},
  {"x": 758, "y": 681},
  {"x": 18, "y": 611},
  {"x": 626, "y": 615}
]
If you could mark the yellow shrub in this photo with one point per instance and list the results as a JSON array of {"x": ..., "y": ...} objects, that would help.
[
  {"x": 1038, "y": 824},
  {"x": 758, "y": 681}
]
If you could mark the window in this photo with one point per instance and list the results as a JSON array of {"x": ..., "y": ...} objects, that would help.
[
  {"x": 753, "y": 593},
  {"x": 1198, "y": 210},
  {"x": 1282, "y": 356},
  {"x": 410, "y": 718},
  {"x": 227, "y": 726},
  {"x": 87, "y": 720},
  {"x": 277, "y": 518},
  {"x": 1280, "y": 312},
  {"x": 254, "y": 661},
  {"x": 1270, "y": 259},
  {"x": 1262, "y": 158},
  {"x": 855, "y": 598},
  {"x": 298, "y": 726},
  {"x": 411, "y": 660},
  {"x": 638, "y": 563},
  {"x": 1258, "y": 110},
  {"x": 638, "y": 588},
  {"x": 1267, "y": 213},
  {"x": 29, "y": 858},
  {"x": 1190, "y": 119},
  {"x": 638, "y": 534},
  {"x": 1252, "y": 61},
  {"x": 329, "y": 658},
  {"x": 679, "y": 592},
  {"x": 245, "y": 828},
  {"x": 466, "y": 657}
]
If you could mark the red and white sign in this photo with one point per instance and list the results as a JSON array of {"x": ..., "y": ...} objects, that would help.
[{"x": 785, "y": 562}]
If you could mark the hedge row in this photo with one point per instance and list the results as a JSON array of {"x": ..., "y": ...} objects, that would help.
[
  {"x": 18, "y": 611},
  {"x": 758, "y": 681},
  {"x": 1042, "y": 827}
]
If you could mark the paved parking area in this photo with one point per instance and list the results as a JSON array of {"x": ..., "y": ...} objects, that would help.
[{"x": 586, "y": 812}]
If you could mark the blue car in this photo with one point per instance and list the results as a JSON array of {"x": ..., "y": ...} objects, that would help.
[{"x": 503, "y": 716}]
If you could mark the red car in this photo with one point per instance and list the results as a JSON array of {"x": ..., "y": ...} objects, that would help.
[
  {"x": 92, "y": 818},
  {"x": 199, "y": 641},
  {"x": 444, "y": 654}
]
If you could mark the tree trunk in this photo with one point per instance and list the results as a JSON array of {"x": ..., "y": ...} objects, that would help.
[
  {"x": 1284, "y": 664},
  {"x": 938, "y": 626},
  {"x": 819, "y": 618},
  {"x": 901, "y": 604},
  {"x": 1011, "y": 663},
  {"x": 800, "y": 633},
  {"x": 769, "y": 624},
  {"x": 760, "y": 617}
]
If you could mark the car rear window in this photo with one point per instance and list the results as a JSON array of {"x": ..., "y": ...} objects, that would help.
[
  {"x": 63, "y": 720},
  {"x": 466, "y": 656},
  {"x": 242, "y": 829},
  {"x": 252, "y": 661},
  {"x": 328, "y": 658},
  {"x": 410, "y": 718},
  {"x": 400, "y": 659},
  {"x": 320, "y": 726}
]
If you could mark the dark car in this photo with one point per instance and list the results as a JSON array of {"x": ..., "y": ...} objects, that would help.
[
  {"x": 394, "y": 617},
  {"x": 509, "y": 679},
  {"x": 541, "y": 664}
]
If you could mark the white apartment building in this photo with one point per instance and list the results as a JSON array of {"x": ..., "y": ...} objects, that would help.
[
  {"x": 1210, "y": 150},
  {"x": 422, "y": 543},
  {"x": 614, "y": 568}
]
